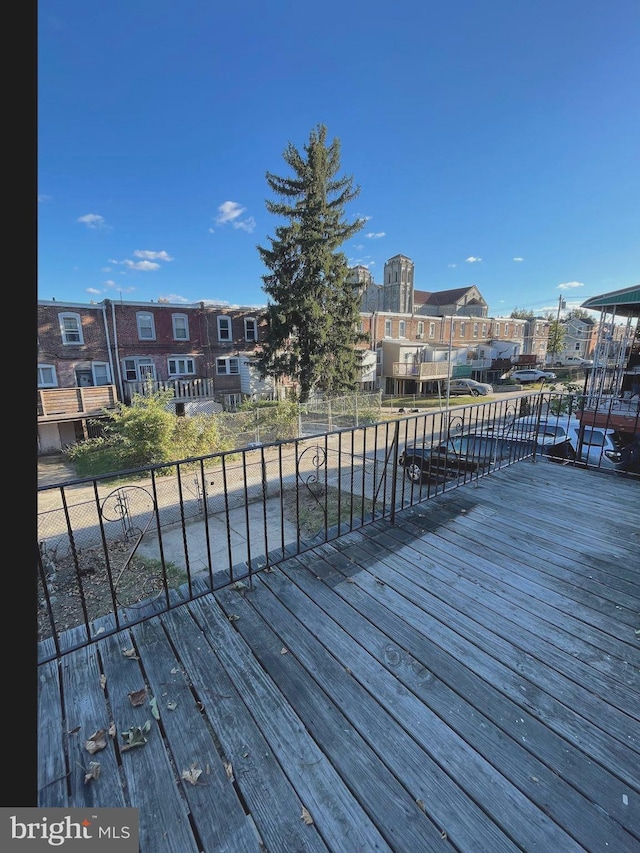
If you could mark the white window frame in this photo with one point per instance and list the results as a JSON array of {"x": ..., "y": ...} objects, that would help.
[
  {"x": 146, "y": 326},
  {"x": 484, "y": 330},
  {"x": 421, "y": 329},
  {"x": 229, "y": 366},
  {"x": 47, "y": 377},
  {"x": 142, "y": 367},
  {"x": 462, "y": 328},
  {"x": 71, "y": 328},
  {"x": 101, "y": 372},
  {"x": 181, "y": 365},
  {"x": 250, "y": 329},
  {"x": 432, "y": 330},
  {"x": 506, "y": 330},
  {"x": 402, "y": 328},
  {"x": 224, "y": 320},
  {"x": 180, "y": 324},
  {"x": 475, "y": 330},
  {"x": 388, "y": 329}
]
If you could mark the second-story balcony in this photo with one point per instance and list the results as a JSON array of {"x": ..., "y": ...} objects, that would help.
[
  {"x": 423, "y": 370},
  {"x": 183, "y": 389},
  {"x": 61, "y": 404}
]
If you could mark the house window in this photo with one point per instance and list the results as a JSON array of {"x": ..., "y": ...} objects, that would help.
[
  {"x": 462, "y": 328},
  {"x": 181, "y": 366},
  {"x": 378, "y": 355},
  {"x": 420, "y": 330},
  {"x": 577, "y": 346},
  {"x": 250, "y": 329},
  {"x": 484, "y": 330},
  {"x": 180, "y": 327},
  {"x": 71, "y": 328},
  {"x": 47, "y": 376},
  {"x": 432, "y": 330},
  {"x": 497, "y": 329},
  {"x": 227, "y": 366},
  {"x": 402, "y": 329},
  {"x": 146, "y": 327},
  {"x": 387, "y": 328},
  {"x": 475, "y": 330},
  {"x": 224, "y": 328},
  {"x": 101, "y": 373},
  {"x": 506, "y": 330},
  {"x": 138, "y": 369}
]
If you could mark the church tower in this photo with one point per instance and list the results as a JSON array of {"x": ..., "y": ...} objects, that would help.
[{"x": 398, "y": 285}]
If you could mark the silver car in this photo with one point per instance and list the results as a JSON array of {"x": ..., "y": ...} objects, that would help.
[{"x": 469, "y": 386}]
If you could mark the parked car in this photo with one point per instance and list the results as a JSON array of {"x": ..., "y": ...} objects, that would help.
[
  {"x": 469, "y": 386},
  {"x": 560, "y": 437},
  {"x": 573, "y": 361},
  {"x": 532, "y": 375},
  {"x": 463, "y": 454}
]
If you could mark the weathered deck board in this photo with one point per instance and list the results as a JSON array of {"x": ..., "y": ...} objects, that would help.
[
  {"x": 337, "y": 814},
  {"x": 485, "y": 580},
  {"x": 435, "y": 693},
  {"x": 450, "y": 708}
]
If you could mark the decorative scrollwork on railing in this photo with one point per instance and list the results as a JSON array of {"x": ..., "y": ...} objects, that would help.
[
  {"x": 455, "y": 425},
  {"x": 311, "y": 466},
  {"x": 133, "y": 508}
]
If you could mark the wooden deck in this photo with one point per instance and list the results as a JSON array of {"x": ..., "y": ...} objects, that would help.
[{"x": 465, "y": 680}]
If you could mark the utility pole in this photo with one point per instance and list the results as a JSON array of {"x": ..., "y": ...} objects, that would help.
[{"x": 561, "y": 306}]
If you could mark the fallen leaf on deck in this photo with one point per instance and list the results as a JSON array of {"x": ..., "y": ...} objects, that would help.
[
  {"x": 306, "y": 817},
  {"x": 284, "y": 651},
  {"x": 229, "y": 769},
  {"x": 96, "y": 742},
  {"x": 138, "y": 697},
  {"x": 172, "y": 705},
  {"x": 233, "y": 618},
  {"x": 103, "y": 681},
  {"x": 238, "y": 585},
  {"x": 73, "y": 731},
  {"x": 135, "y": 736},
  {"x": 93, "y": 772},
  {"x": 421, "y": 805},
  {"x": 192, "y": 775},
  {"x": 130, "y": 653},
  {"x": 154, "y": 707},
  {"x": 112, "y": 730}
]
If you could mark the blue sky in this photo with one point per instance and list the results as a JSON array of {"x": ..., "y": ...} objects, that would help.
[{"x": 494, "y": 143}]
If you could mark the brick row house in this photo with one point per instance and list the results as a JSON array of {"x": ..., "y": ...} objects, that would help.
[
  {"x": 92, "y": 356},
  {"x": 421, "y": 338}
]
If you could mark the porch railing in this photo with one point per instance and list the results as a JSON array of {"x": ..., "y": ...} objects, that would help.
[{"x": 113, "y": 550}]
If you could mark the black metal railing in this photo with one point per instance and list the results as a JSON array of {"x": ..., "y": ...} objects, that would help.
[{"x": 113, "y": 550}]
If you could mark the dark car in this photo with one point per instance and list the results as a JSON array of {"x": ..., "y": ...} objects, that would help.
[{"x": 463, "y": 454}]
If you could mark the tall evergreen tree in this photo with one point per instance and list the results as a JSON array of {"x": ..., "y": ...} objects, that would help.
[{"x": 312, "y": 310}]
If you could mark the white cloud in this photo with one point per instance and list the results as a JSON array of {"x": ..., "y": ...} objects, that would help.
[
  {"x": 42, "y": 198},
  {"x": 472, "y": 260},
  {"x": 230, "y": 212},
  {"x": 518, "y": 259},
  {"x": 375, "y": 235},
  {"x": 568, "y": 285},
  {"x": 451, "y": 266},
  {"x": 152, "y": 256},
  {"x": 247, "y": 224},
  {"x": 143, "y": 266},
  {"x": 92, "y": 220},
  {"x": 93, "y": 290},
  {"x": 172, "y": 297}
]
